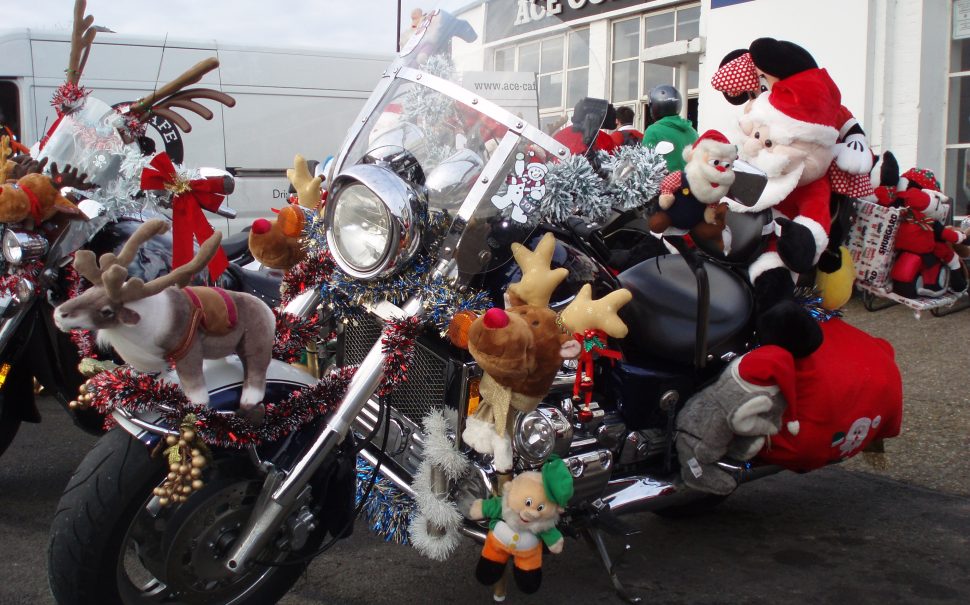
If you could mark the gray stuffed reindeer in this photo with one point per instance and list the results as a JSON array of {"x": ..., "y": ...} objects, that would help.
[{"x": 160, "y": 322}]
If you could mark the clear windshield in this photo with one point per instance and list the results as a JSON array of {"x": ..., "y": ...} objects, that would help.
[
  {"x": 481, "y": 97},
  {"x": 88, "y": 139}
]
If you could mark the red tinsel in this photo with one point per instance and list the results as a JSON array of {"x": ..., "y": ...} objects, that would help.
[
  {"x": 397, "y": 344},
  {"x": 292, "y": 335},
  {"x": 132, "y": 122},
  {"x": 84, "y": 340},
  {"x": 308, "y": 273},
  {"x": 67, "y": 96},
  {"x": 10, "y": 281}
]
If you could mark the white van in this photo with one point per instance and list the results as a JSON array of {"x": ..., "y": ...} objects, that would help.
[{"x": 288, "y": 101}]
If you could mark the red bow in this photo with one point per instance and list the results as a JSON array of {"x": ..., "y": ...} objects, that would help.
[{"x": 188, "y": 200}]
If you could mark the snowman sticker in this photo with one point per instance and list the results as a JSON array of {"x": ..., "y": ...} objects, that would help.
[
  {"x": 525, "y": 187},
  {"x": 855, "y": 436}
]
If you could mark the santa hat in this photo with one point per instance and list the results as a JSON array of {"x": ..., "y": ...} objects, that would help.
[
  {"x": 773, "y": 366},
  {"x": 803, "y": 107},
  {"x": 924, "y": 178},
  {"x": 711, "y": 135}
]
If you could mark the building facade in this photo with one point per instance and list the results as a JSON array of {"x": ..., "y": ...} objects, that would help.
[{"x": 903, "y": 66}]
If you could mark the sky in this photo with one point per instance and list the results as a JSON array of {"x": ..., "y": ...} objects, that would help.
[{"x": 357, "y": 25}]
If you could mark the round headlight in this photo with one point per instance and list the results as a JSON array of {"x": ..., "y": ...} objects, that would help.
[
  {"x": 361, "y": 228},
  {"x": 535, "y": 437},
  {"x": 373, "y": 221},
  {"x": 20, "y": 247}
]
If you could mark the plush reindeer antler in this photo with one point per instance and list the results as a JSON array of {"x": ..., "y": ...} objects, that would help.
[
  {"x": 123, "y": 291},
  {"x": 170, "y": 96},
  {"x": 5, "y": 153},
  {"x": 538, "y": 280},
  {"x": 93, "y": 271},
  {"x": 70, "y": 177},
  {"x": 584, "y": 313},
  {"x": 307, "y": 186},
  {"x": 82, "y": 37}
]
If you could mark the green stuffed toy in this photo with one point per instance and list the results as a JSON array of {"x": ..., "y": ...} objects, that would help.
[{"x": 521, "y": 521}]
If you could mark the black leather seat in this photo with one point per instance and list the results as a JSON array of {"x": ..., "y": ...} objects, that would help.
[
  {"x": 264, "y": 284},
  {"x": 236, "y": 246},
  {"x": 662, "y": 316}
]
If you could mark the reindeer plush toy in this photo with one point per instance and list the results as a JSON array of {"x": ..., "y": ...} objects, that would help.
[{"x": 162, "y": 322}]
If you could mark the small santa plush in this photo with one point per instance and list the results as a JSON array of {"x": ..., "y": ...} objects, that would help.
[{"x": 688, "y": 198}]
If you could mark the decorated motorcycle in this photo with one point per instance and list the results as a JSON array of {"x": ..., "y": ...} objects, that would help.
[{"x": 494, "y": 379}]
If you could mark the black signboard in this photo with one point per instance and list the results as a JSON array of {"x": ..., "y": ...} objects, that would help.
[{"x": 506, "y": 18}]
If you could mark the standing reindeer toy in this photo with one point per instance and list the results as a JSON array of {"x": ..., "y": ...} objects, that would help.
[{"x": 164, "y": 322}]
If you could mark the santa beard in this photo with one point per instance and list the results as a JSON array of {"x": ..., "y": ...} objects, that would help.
[
  {"x": 779, "y": 184},
  {"x": 701, "y": 176}
]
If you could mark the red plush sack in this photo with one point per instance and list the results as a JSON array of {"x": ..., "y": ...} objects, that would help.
[{"x": 840, "y": 398}]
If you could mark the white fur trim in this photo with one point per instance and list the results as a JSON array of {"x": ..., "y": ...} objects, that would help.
[
  {"x": 750, "y": 387},
  {"x": 785, "y": 129},
  {"x": 818, "y": 232},
  {"x": 847, "y": 127},
  {"x": 438, "y": 448},
  {"x": 437, "y": 548},
  {"x": 478, "y": 435},
  {"x": 765, "y": 262},
  {"x": 793, "y": 427}
]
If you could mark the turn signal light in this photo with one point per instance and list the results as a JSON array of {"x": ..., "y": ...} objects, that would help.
[
  {"x": 291, "y": 221},
  {"x": 459, "y": 326},
  {"x": 474, "y": 397}
]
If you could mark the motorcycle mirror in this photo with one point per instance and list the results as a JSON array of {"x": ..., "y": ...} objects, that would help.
[{"x": 749, "y": 183}]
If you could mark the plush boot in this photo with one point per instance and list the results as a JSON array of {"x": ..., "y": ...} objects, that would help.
[{"x": 527, "y": 581}]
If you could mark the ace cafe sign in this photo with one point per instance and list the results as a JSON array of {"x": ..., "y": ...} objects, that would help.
[{"x": 507, "y": 18}]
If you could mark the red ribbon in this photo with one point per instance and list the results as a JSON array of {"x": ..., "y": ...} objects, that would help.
[
  {"x": 35, "y": 210},
  {"x": 188, "y": 200}
]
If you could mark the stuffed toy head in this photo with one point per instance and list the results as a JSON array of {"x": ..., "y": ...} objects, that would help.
[
  {"x": 32, "y": 197},
  {"x": 534, "y": 500},
  {"x": 276, "y": 243},
  {"x": 709, "y": 166}
]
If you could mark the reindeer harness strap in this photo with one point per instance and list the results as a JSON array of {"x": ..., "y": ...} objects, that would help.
[{"x": 213, "y": 310}]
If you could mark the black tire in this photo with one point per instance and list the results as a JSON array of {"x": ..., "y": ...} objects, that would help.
[
  {"x": 9, "y": 425},
  {"x": 101, "y": 501},
  {"x": 701, "y": 506}
]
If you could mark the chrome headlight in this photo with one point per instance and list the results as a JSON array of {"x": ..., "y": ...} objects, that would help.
[
  {"x": 20, "y": 247},
  {"x": 540, "y": 433},
  {"x": 373, "y": 221}
]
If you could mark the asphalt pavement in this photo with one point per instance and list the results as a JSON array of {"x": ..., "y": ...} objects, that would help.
[{"x": 848, "y": 534}]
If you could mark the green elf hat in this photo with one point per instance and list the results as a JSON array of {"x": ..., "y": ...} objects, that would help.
[{"x": 557, "y": 480}]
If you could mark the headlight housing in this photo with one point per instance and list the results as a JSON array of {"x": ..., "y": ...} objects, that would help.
[
  {"x": 374, "y": 221},
  {"x": 20, "y": 247},
  {"x": 542, "y": 432}
]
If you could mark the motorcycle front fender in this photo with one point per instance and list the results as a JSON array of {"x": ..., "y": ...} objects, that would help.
[{"x": 224, "y": 381}]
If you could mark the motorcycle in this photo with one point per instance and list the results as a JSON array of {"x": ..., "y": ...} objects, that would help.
[
  {"x": 36, "y": 262},
  {"x": 426, "y": 181}
]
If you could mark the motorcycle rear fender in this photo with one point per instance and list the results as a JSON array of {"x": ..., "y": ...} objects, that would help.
[{"x": 224, "y": 380}]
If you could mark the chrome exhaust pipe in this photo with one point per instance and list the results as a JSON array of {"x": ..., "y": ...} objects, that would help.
[{"x": 644, "y": 493}]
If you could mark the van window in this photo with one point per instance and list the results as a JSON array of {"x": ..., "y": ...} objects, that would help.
[{"x": 10, "y": 109}]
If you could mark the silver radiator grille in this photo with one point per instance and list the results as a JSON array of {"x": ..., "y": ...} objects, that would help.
[{"x": 425, "y": 387}]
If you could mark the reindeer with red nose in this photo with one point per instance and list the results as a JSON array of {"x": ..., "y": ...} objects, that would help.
[
  {"x": 522, "y": 347},
  {"x": 154, "y": 324}
]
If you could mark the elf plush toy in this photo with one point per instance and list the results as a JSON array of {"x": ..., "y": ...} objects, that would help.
[
  {"x": 799, "y": 413},
  {"x": 923, "y": 241},
  {"x": 521, "y": 521},
  {"x": 276, "y": 243},
  {"x": 688, "y": 198}
]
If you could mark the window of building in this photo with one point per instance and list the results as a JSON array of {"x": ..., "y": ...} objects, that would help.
[
  {"x": 9, "y": 109},
  {"x": 957, "y": 171},
  {"x": 631, "y": 79},
  {"x": 561, "y": 65}
]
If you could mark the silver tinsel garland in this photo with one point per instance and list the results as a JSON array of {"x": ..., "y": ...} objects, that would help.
[
  {"x": 635, "y": 176},
  {"x": 573, "y": 187}
]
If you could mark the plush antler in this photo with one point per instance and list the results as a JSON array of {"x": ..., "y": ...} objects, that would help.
[
  {"x": 69, "y": 177},
  {"x": 307, "y": 186},
  {"x": 172, "y": 95},
  {"x": 24, "y": 164},
  {"x": 95, "y": 272},
  {"x": 538, "y": 280},
  {"x": 123, "y": 291},
  {"x": 5, "y": 153},
  {"x": 82, "y": 37},
  {"x": 584, "y": 313}
]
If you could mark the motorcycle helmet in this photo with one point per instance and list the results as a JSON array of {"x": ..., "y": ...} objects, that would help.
[{"x": 664, "y": 101}]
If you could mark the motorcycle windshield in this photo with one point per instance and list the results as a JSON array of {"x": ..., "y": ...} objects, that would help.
[
  {"x": 482, "y": 110},
  {"x": 88, "y": 139}
]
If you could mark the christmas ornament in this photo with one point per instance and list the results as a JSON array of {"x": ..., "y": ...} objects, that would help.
[{"x": 187, "y": 458}]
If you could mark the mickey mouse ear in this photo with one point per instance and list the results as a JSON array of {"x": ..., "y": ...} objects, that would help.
[{"x": 780, "y": 58}]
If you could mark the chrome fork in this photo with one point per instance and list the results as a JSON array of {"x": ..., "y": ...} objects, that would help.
[{"x": 281, "y": 489}]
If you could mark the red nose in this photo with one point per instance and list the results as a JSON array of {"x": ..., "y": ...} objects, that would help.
[
  {"x": 261, "y": 226},
  {"x": 721, "y": 168},
  {"x": 495, "y": 318}
]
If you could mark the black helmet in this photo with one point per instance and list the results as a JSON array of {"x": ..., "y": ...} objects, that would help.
[{"x": 664, "y": 101}]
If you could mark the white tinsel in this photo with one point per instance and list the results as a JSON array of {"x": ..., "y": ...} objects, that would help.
[
  {"x": 635, "y": 176},
  {"x": 439, "y": 451},
  {"x": 123, "y": 196},
  {"x": 573, "y": 187},
  {"x": 437, "y": 548}
]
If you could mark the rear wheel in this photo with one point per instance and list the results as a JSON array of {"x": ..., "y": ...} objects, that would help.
[{"x": 111, "y": 544}]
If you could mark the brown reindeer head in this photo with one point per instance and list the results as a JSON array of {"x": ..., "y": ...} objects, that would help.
[{"x": 106, "y": 305}]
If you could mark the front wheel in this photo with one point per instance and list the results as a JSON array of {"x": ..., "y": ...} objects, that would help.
[{"x": 111, "y": 544}]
